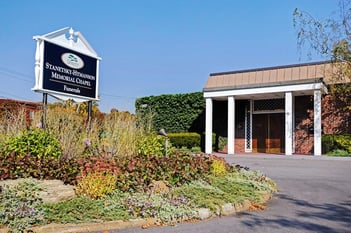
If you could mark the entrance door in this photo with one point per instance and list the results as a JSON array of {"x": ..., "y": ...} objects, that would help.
[{"x": 268, "y": 134}]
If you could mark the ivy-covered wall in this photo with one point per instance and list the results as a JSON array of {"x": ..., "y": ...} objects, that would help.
[{"x": 175, "y": 113}]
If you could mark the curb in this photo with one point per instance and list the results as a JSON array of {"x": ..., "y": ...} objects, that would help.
[
  {"x": 230, "y": 209},
  {"x": 89, "y": 227},
  {"x": 204, "y": 213}
]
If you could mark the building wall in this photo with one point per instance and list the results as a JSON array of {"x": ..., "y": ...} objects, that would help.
[
  {"x": 336, "y": 116},
  {"x": 336, "y": 119},
  {"x": 11, "y": 108},
  {"x": 304, "y": 125}
]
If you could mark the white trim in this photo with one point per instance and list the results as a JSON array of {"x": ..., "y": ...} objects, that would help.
[
  {"x": 59, "y": 37},
  {"x": 288, "y": 123},
  {"x": 265, "y": 90},
  {"x": 317, "y": 122},
  {"x": 231, "y": 124},
  {"x": 63, "y": 38},
  {"x": 208, "y": 130},
  {"x": 293, "y": 125}
]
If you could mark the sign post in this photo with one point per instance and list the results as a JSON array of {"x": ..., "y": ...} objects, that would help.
[{"x": 43, "y": 117}]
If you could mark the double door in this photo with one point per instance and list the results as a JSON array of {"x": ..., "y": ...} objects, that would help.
[{"x": 268, "y": 133}]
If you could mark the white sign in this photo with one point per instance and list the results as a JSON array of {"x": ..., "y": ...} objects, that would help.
[{"x": 66, "y": 66}]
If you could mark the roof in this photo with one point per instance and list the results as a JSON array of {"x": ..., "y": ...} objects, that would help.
[
  {"x": 270, "y": 76},
  {"x": 20, "y": 102}
]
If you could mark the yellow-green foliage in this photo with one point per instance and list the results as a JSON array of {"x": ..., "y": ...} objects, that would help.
[
  {"x": 344, "y": 142},
  {"x": 96, "y": 184},
  {"x": 153, "y": 144},
  {"x": 36, "y": 142},
  {"x": 219, "y": 167}
]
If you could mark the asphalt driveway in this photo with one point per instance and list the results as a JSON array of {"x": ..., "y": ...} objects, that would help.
[{"x": 315, "y": 196}]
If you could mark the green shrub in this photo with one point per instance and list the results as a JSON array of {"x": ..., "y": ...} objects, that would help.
[
  {"x": 36, "y": 142},
  {"x": 339, "y": 152},
  {"x": 19, "y": 205},
  {"x": 188, "y": 140},
  {"x": 153, "y": 144},
  {"x": 222, "y": 143},
  {"x": 333, "y": 142},
  {"x": 328, "y": 142},
  {"x": 344, "y": 142},
  {"x": 193, "y": 150}
]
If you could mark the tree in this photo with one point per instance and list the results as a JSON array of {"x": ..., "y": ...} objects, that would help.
[{"x": 331, "y": 39}]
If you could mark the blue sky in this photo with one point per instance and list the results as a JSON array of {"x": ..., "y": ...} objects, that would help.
[{"x": 154, "y": 47}]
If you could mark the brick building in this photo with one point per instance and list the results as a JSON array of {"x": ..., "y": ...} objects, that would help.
[
  {"x": 283, "y": 109},
  {"x": 10, "y": 108}
]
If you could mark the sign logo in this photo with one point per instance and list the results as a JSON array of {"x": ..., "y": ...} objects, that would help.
[{"x": 72, "y": 60}]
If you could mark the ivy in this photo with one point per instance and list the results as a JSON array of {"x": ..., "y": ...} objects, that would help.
[{"x": 175, "y": 112}]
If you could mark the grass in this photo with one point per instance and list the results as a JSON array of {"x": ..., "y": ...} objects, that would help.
[
  {"x": 82, "y": 209},
  {"x": 233, "y": 188}
]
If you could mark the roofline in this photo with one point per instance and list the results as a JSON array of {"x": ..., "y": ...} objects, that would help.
[
  {"x": 20, "y": 101},
  {"x": 270, "y": 68},
  {"x": 272, "y": 84}
]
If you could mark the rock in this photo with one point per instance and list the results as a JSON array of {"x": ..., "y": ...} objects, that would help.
[
  {"x": 159, "y": 187},
  {"x": 228, "y": 209},
  {"x": 53, "y": 190},
  {"x": 204, "y": 213},
  {"x": 56, "y": 191}
]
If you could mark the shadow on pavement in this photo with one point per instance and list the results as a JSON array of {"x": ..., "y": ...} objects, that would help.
[{"x": 316, "y": 218}]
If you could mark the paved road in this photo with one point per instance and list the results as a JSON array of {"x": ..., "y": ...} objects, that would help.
[{"x": 315, "y": 196}]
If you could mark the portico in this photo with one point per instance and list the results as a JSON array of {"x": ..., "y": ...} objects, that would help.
[{"x": 268, "y": 99}]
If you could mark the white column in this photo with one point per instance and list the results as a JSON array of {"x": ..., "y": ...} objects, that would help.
[
  {"x": 208, "y": 129},
  {"x": 293, "y": 125},
  {"x": 231, "y": 124},
  {"x": 288, "y": 123},
  {"x": 317, "y": 122}
]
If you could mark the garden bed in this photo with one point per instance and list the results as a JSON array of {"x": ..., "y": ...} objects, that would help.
[{"x": 235, "y": 191}]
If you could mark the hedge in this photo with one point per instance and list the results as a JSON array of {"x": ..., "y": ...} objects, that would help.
[
  {"x": 188, "y": 140},
  {"x": 333, "y": 142}
]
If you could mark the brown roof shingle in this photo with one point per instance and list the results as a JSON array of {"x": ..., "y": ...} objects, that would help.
[{"x": 271, "y": 75}]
